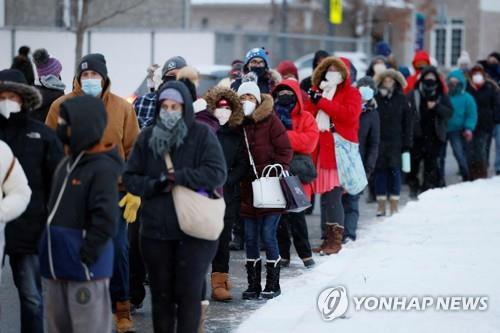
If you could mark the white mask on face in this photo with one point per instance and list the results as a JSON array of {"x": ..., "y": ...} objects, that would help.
[
  {"x": 478, "y": 78},
  {"x": 222, "y": 115},
  {"x": 334, "y": 77},
  {"x": 248, "y": 107},
  {"x": 8, "y": 106},
  {"x": 377, "y": 68}
]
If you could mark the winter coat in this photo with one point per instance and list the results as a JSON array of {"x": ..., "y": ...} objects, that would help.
[
  {"x": 464, "y": 106},
  {"x": 198, "y": 164},
  {"x": 269, "y": 144},
  {"x": 206, "y": 117},
  {"x": 412, "y": 79},
  {"x": 438, "y": 116},
  {"x": 369, "y": 137},
  {"x": 122, "y": 128},
  {"x": 344, "y": 111},
  {"x": 49, "y": 95},
  {"x": 396, "y": 125},
  {"x": 78, "y": 243},
  {"x": 39, "y": 151},
  {"x": 14, "y": 191},
  {"x": 488, "y": 104},
  {"x": 231, "y": 134},
  {"x": 304, "y": 135}
]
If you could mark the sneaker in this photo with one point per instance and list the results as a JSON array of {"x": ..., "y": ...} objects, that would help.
[
  {"x": 284, "y": 263},
  {"x": 309, "y": 263}
]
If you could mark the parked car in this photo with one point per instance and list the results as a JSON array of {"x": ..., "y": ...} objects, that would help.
[
  {"x": 209, "y": 77},
  {"x": 358, "y": 59}
]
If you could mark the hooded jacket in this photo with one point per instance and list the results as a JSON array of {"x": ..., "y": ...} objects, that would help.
[
  {"x": 420, "y": 56},
  {"x": 77, "y": 244},
  {"x": 122, "y": 128},
  {"x": 306, "y": 83},
  {"x": 487, "y": 101},
  {"x": 198, "y": 164},
  {"x": 344, "y": 111},
  {"x": 269, "y": 144},
  {"x": 396, "y": 123},
  {"x": 38, "y": 151},
  {"x": 304, "y": 135},
  {"x": 464, "y": 107},
  {"x": 438, "y": 116}
]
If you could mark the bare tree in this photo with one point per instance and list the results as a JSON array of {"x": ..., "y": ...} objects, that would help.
[{"x": 80, "y": 22}]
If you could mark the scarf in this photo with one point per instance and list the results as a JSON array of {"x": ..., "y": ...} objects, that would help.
[
  {"x": 284, "y": 113},
  {"x": 163, "y": 139},
  {"x": 322, "y": 118}
]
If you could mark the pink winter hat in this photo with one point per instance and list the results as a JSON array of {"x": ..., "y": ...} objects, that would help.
[{"x": 45, "y": 64}]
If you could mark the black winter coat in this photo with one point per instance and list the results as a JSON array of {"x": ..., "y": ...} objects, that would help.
[
  {"x": 39, "y": 151},
  {"x": 233, "y": 146},
  {"x": 199, "y": 164},
  {"x": 488, "y": 106},
  {"x": 396, "y": 129},
  {"x": 48, "y": 96},
  {"x": 369, "y": 138}
]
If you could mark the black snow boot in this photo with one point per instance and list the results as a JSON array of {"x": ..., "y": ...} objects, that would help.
[
  {"x": 254, "y": 269},
  {"x": 272, "y": 288}
]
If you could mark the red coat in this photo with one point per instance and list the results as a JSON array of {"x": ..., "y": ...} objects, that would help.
[
  {"x": 304, "y": 135},
  {"x": 421, "y": 56},
  {"x": 344, "y": 111},
  {"x": 269, "y": 144}
]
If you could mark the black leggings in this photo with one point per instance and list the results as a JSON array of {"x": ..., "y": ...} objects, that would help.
[
  {"x": 176, "y": 271},
  {"x": 332, "y": 210}
]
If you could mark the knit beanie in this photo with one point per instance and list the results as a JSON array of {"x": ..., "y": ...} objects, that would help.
[
  {"x": 45, "y": 64},
  {"x": 93, "y": 62}
]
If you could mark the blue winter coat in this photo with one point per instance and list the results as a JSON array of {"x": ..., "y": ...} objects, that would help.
[{"x": 464, "y": 106}]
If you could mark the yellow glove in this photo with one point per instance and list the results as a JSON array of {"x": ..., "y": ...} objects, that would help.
[{"x": 132, "y": 204}]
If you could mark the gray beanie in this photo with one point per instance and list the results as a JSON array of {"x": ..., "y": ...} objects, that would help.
[
  {"x": 176, "y": 62},
  {"x": 367, "y": 81}
]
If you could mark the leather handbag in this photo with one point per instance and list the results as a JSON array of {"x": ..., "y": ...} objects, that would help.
[{"x": 199, "y": 216}]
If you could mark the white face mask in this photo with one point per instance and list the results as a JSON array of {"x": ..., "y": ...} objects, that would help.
[
  {"x": 334, "y": 77},
  {"x": 377, "y": 68},
  {"x": 8, "y": 106},
  {"x": 248, "y": 107},
  {"x": 222, "y": 115},
  {"x": 478, "y": 78}
]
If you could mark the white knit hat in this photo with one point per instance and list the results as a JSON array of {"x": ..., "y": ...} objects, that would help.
[
  {"x": 464, "y": 58},
  {"x": 250, "y": 88}
]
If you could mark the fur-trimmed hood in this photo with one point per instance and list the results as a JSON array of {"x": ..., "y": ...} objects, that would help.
[
  {"x": 13, "y": 80},
  {"x": 216, "y": 94},
  {"x": 320, "y": 71},
  {"x": 394, "y": 74},
  {"x": 264, "y": 109}
]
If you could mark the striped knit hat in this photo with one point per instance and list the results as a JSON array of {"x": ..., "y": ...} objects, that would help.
[{"x": 45, "y": 64}]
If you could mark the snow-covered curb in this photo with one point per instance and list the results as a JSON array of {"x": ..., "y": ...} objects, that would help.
[{"x": 447, "y": 243}]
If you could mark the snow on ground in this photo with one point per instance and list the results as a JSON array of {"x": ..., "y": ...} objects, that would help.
[{"x": 445, "y": 244}]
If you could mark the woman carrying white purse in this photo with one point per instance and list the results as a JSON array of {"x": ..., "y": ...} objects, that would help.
[{"x": 267, "y": 144}]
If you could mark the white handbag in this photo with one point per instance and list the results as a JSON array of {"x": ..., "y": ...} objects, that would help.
[{"x": 267, "y": 191}]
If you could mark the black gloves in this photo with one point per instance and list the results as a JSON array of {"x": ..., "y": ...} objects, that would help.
[
  {"x": 164, "y": 183},
  {"x": 314, "y": 95}
]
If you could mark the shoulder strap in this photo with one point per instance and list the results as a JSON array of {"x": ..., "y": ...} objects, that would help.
[
  {"x": 9, "y": 170},
  {"x": 252, "y": 163},
  {"x": 170, "y": 164}
]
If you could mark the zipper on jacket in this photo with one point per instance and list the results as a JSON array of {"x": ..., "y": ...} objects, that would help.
[
  {"x": 69, "y": 169},
  {"x": 88, "y": 273}
]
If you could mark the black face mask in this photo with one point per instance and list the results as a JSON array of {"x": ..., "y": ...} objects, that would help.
[
  {"x": 168, "y": 78},
  {"x": 429, "y": 89},
  {"x": 62, "y": 134},
  {"x": 454, "y": 88},
  {"x": 259, "y": 71},
  {"x": 286, "y": 100}
]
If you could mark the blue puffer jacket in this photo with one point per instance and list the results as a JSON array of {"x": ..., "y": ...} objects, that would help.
[{"x": 464, "y": 106}]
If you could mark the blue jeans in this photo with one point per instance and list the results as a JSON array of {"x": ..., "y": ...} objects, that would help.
[
  {"x": 119, "y": 285},
  {"x": 388, "y": 181},
  {"x": 26, "y": 274},
  {"x": 497, "y": 148},
  {"x": 351, "y": 211},
  {"x": 459, "y": 147},
  {"x": 264, "y": 228}
]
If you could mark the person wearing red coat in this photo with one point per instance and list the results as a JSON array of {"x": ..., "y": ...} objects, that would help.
[
  {"x": 303, "y": 134},
  {"x": 267, "y": 143},
  {"x": 337, "y": 109}
]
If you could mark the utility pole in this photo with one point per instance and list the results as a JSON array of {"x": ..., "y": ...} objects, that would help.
[
  {"x": 187, "y": 13},
  {"x": 284, "y": 30}
]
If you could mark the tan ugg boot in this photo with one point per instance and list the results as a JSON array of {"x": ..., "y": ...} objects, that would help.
[
  {"x": 381, "y": 206},
  {"x": 220, "y": 287},
  {"x": 123, "y": 319},
  {"x": 333, "y": 240},
  {"x": 394, "y": 203}
]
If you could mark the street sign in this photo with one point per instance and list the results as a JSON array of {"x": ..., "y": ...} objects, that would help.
[{"x": 335, "y": 11}]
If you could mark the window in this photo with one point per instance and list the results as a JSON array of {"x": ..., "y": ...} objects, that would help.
[{"x": 447, "y": 41}]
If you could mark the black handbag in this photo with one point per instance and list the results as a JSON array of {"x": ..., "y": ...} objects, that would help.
[
  {"x": 295, "y": 197},
  {"x": 303, "y": 167}
]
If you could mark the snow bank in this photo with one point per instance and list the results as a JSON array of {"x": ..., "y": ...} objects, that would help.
[{"x": 447, "y": 243}]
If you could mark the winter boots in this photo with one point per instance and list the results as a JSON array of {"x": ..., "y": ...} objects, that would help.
[
  {"x": 381, "y": 206},
  {"x": 221, "y": 287},
  {"x": 394, "y": 203},
  {"x": 123, "y": 320},
  {"x": 254, "y": 269},
  {"x": 203, "y": 316},
  {"x": 333, "y": 240},
  {"x": 272, "y": 288}
]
